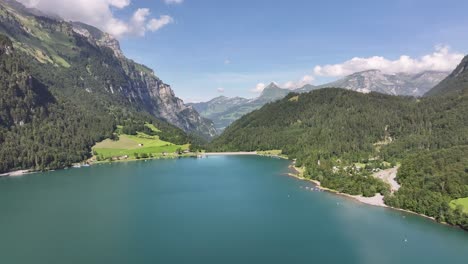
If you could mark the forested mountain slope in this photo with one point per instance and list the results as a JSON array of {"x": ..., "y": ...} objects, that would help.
[
  {"x": 74, "y": 56},
  {"x": 223, "y": 111},
  {"x": 401, "y": 83},
  {"x": 62, "y": 91},
  {"x": 216, "y": 108},
  {"x": 456, "y": 82},
  {"x": 365, "y": 82},
  {"x": 341, "y": 136}
]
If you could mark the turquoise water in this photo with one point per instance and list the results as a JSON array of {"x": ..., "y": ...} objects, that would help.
[{"x": 238, "y": 209}]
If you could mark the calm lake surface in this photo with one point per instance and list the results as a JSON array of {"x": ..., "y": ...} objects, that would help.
[{"x": 225, "y": 209}]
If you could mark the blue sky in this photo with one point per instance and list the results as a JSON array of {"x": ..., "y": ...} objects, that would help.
[{"x": 235, "y": 45}]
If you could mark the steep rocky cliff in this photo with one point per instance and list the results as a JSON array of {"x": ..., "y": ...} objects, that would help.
[{"x": 92, "y": 60}]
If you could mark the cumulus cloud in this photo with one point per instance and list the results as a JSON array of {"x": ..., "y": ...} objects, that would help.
[
  {"x": 307, "y": 79},
  {"x": 100, "y": 13},
  {"x": 117, "y": 3},
  {"x": 440, "y": 60},
  {"x": 258, "y": 88},
  {"x": 157, "y": 23},
  {"x": 220, "y": 90},
  {"x": 170, "y": 2}
]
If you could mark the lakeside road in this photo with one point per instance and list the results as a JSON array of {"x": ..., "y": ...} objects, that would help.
[{"x": 389, "y": 176}]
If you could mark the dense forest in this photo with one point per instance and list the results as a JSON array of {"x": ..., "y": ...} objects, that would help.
[
  {"x": 342, "y": 136},
  {"x": 42, "y": 127},
  {"x": 61, "y": 91}
]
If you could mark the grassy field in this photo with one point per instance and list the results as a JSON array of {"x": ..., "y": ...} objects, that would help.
[
  {"x": 128, "y": 145},
  {"x": 462, "y": 201},
  {"x": 274, "y": 152}
]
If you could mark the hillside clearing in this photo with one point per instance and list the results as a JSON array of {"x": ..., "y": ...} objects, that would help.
[
  {"x": 129, "y": 145},
  {"x": 463, "y": 202}
]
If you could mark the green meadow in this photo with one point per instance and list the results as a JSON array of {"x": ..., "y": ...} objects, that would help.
[
  {"x": 463, "y": 202},
  {"x": 141, "y": 144}
]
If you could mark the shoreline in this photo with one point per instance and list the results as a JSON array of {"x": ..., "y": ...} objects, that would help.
[
  {"x": 91, "y": 162},
  {"x": 297, "y": 174},
  {"x": 16, "y": 173},
  {"x": 358, "y": 198},
  {"x": 253, "y": 153},
  {"x": 376, "y": 200}
]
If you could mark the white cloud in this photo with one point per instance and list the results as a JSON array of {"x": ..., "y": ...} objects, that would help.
[
  {"x": 100, "y": 13},
  {"x": 307, "y": 79},
  {"x": 258, "y": 88},
  {"x": 170, "y": 2},
  {"x": 119, "y": 3},
  {"x": 220, "y": 90},
  {"x": 440, "y": 60},
  {"x": 227, "y": 61},
  {"x": 157, "y": 23}
]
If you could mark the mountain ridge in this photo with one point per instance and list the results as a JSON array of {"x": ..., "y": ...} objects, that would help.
[
  {"x": 57, "y": 42},
  {"x": 365, "y": 81},
  {"x": 234, "y": 108},
  {"x": 394, "y": 84},
  {"x": 340, "y": 138},
  {"x": 61, "y": 91}
]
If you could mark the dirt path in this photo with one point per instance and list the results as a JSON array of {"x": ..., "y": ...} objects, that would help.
[{"x": 389, "y": 176}]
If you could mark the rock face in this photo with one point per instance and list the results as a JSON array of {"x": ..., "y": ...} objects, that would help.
[
  {"x": 218, "y": 105},
  {"x": 457, "y": 81},
  {"x": 86, "y": 49},
  {"x": 98, "y": 37},
  {"x": 394, "y": 84},
  {"x": 6, "y": 47},
  {"x": 157, "y": 97},
  {"x": 271, "y": 93}
]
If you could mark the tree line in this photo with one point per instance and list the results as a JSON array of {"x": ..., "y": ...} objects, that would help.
[{"x": 335, "y": 133}]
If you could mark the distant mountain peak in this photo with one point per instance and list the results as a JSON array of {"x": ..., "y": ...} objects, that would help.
[
  {"x": 272, "y": 93},
  {"x": 389, "y": 83},
  {"x": 272, "y": 85},
  {"x": 367, "y": 71},
  {"x": 108, "y": 74},
  {"x": 223, "y": 111},
  {"x": 221, "y": 97}
]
